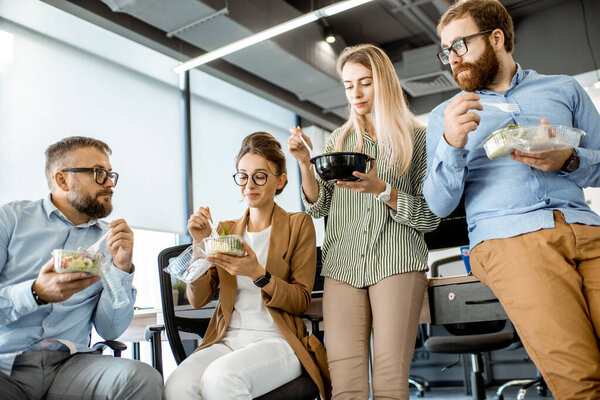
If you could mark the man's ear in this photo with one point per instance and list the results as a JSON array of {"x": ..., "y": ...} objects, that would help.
[
  {"x": 497, "y": 39},
  {"x": 60, "y": 181}
]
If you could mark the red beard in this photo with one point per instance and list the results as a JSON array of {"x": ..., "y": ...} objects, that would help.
[{"x": 481, "y": 73}]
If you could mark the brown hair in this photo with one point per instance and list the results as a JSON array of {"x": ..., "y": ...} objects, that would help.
[
  {"x": 487, "y": 14},
  {"x": 56, "y": 154},
  {"x": 266, "y": 146}
]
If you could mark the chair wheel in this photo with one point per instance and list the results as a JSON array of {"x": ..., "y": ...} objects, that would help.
[
  {"x": 542, "y": 391},
  {"x": 420, "y": 394},
  {"x": 499, "y": 397}
]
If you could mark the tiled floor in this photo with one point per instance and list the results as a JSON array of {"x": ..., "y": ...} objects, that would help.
[{"x": 459, "y": 394}]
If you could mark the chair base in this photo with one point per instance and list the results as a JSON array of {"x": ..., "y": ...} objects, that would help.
[
  {"x": 420, "y": 384},
  {"x": 542, "y": 388}
]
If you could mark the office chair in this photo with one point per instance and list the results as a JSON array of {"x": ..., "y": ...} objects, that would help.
[
  {"x": 196, "y": 322},
  {"x": 114, "y": 345},
  {"x": 539, "y": 383},
  {"x": 472, "y": 339}
]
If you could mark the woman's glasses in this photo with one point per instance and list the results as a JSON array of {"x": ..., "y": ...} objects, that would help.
[
  {"x": 259, "y": 178},
  {"x": 100, "y": 174}
]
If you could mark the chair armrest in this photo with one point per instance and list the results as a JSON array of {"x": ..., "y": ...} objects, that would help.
[
  {"x": 116, "y": 346},
  {"x": 153, "y": 335}
]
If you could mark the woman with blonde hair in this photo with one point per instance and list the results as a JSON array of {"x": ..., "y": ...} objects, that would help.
[{"x": 374, "y": 254}]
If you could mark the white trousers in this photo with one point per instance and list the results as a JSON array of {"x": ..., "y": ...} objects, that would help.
[{"x": 243, "y": 365}]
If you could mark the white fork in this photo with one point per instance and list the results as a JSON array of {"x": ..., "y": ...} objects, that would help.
[{"x": 506, "y": 107}]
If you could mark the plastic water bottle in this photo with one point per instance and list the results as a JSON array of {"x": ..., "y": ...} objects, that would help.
[{"x": 115, "y": 289}]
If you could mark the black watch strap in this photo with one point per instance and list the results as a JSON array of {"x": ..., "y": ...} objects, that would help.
[
  {"x": 572, "y": 162},
  {"x": 263, "y": 280}
]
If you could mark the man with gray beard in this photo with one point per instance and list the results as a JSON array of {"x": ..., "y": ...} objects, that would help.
[{"x": 46, "y": 317}]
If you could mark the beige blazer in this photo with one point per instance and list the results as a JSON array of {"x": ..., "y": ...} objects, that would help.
[{"x": 291, "y": 261}]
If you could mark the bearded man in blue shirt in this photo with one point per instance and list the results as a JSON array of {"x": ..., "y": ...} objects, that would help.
[
  {"x": 534, "y": 241},
  {"x": 46, "y": 317}
]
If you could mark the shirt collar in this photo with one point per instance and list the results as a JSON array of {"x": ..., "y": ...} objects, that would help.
[
  {"x": 50, "y": 208},
  {"x": 516, "y": 79}
]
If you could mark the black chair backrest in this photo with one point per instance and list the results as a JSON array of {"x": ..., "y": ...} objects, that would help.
[
  {"x": 452, "y": 231},
  {"x": 175, "y": 322}
]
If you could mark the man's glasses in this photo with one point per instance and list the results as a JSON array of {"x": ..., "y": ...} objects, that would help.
[
  {"x": 459, "y": 47},
  {"x": 100, "y": 174},
  {"x": 259, "y": 178}
]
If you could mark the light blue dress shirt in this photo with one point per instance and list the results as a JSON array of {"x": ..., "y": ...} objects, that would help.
[
  {"x": 29, "y": 231},
  {"x": 506, "y": 198}
]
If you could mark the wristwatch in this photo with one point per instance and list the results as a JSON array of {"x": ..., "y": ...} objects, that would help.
[
  {"x": 385, "y": 195},
  {"x": 263, "y": 280},
  {"x": 572, "y": 162}
]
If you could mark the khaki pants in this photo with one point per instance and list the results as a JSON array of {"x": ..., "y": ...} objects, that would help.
[
  {"x": 548, "y": 282},
  {"x": 391, "y": 309}
]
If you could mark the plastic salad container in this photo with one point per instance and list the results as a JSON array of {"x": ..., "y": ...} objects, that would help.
[
  {"x": 189, "y": 265},
  {"x": 229, "y": 244},
  {"x": 533, "y": 139},
  {"x": 77, "y": 261}
]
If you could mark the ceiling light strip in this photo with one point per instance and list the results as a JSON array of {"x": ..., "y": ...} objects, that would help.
[{"x": 269, "y": 33}]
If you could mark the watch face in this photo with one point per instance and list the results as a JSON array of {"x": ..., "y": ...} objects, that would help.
[
  {"x": 384, "y": 197},
  {"x": 572, "y": 163}
]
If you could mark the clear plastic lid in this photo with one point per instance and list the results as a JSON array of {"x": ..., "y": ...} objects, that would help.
[
  {"x": 229, "y": 244},
  {"x": 533, "y": 139}
]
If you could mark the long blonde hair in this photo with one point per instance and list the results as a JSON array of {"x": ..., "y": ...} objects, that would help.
[{"x": 392, "y": 119}]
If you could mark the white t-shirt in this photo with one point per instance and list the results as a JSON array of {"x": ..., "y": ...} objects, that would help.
[{"x": 249, "y": 311}]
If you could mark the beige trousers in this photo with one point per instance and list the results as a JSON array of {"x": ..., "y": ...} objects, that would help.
[
  {"x": 390, "y": 308},
  {"x": 548, "y": 282}
]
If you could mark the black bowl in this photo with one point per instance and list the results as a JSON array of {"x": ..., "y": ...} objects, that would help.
[{"x": 340, "y": 165}]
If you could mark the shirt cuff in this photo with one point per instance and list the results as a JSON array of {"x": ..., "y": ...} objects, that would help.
[
  {"x": 453, "y": 156},
  {"x": 22, "y": 297},
  {"x": 402, "y": 199},
  {"x": 125, "y": 278},
  {"x": 313, "y": 208}
]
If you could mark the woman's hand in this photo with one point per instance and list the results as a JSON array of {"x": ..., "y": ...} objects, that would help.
[
  {"x": 244, "y": 266},
  {"x": 368, "y": 183},
  {"x": 198, "y": 225},
  {"x": 296, "y": 148}
]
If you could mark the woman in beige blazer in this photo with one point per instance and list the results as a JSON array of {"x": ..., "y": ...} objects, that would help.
[{"x": 255, "y": 341}]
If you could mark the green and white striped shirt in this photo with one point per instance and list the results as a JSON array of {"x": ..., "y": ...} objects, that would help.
[{"x": 365, "y": 240}]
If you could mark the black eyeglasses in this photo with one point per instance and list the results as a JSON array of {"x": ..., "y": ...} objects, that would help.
[
  {"x": 259, "y": 178},
  {"x": 459, "y": 47},
  {"x": 100, "y": 174}
]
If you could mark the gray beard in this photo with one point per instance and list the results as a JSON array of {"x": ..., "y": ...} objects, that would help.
[{"x": 90, "y": 206}]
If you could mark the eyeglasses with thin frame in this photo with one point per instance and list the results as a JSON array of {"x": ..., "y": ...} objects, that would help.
[
  {"x": 459, "y": 47},
  {"x": 259, "y": 178},
  {"x": 100, "y": 174}
]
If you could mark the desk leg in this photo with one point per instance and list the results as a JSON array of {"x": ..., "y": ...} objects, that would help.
[{"x": 136, "y": 351}]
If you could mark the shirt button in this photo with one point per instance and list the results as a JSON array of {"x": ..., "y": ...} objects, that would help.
[
  {"x": 362, "y": 256},
  {"x": 368, "y": 208}
]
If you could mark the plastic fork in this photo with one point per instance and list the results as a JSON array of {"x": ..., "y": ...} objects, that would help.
[
  {"x": 506, "y": 107},
  {"x": 213, "y": 229},
  {"x": 96, "y": 246},
  {"x": 299, "y": 135}
]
